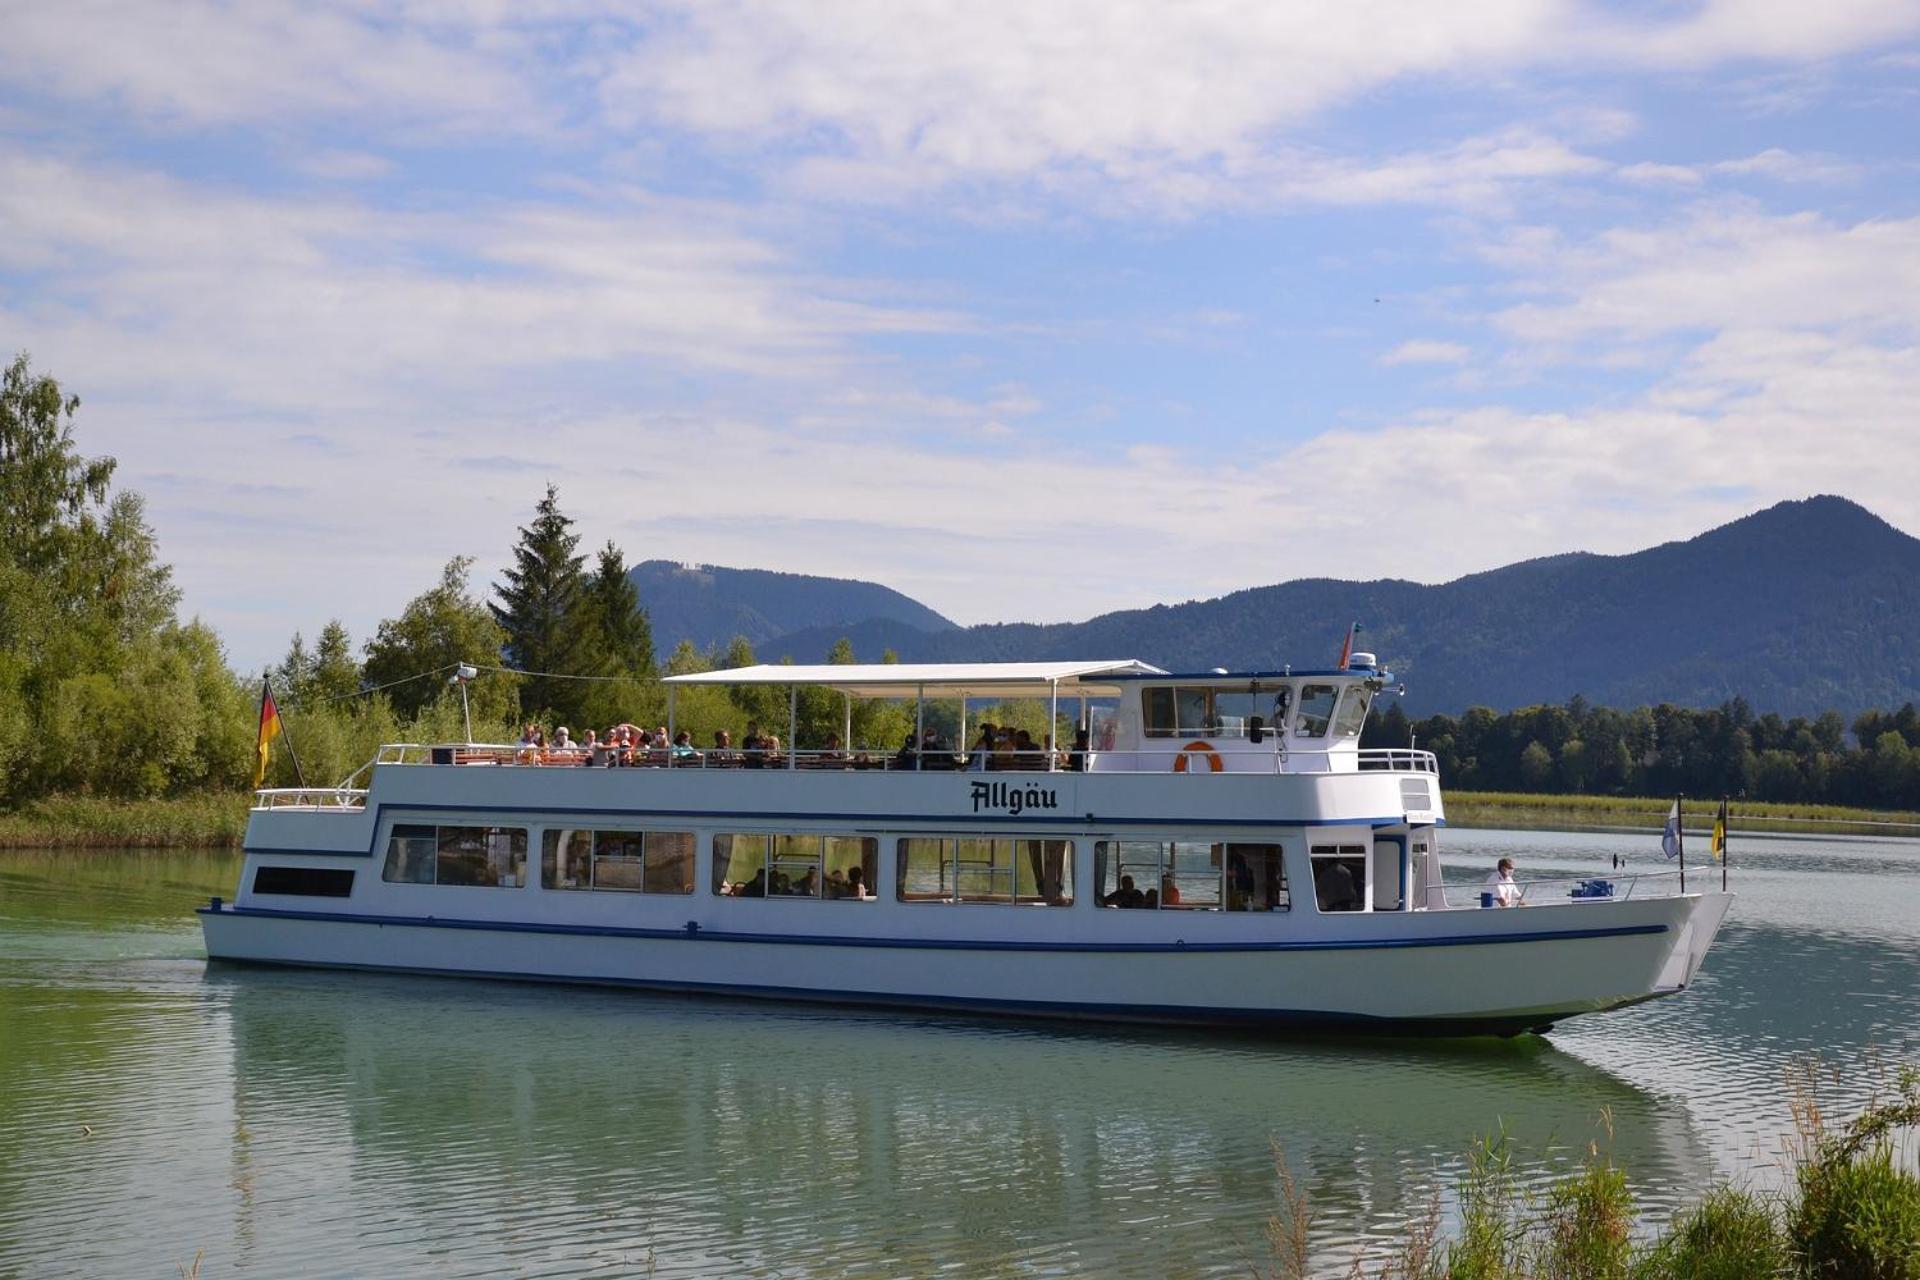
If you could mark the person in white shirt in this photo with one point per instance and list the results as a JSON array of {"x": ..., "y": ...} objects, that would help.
[{"x": 1500, "y": 885}]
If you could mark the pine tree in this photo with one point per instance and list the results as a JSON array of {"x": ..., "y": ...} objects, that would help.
[
  {"x": 336, "y": 675},
  {"x": 626, "y": 633},
  {"x": 540, "y": 609}
]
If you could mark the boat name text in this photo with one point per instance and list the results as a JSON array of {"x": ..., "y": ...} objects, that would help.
[{"x": 1012, "y": 797}]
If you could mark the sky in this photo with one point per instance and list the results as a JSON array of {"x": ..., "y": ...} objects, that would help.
[{"x": 1031, "y": 311}]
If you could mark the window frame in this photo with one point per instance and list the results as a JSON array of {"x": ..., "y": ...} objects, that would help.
[{"x": 1021, "y": 854}]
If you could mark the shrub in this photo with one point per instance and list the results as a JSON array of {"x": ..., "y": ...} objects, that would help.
[
  {"x": 1730, "y": 1235},
  {"x": 1859, "y": 1218}
]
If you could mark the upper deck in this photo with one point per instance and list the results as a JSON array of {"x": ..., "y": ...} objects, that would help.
[{"x": 1205, "y": 740}]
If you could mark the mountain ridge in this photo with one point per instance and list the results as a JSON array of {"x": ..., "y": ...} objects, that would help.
[{"x": 1806, "y": 605}]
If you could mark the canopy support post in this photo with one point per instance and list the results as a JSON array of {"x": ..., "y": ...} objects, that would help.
[
  {"x": 672, "y": 694},
  {"x": 793, "y": 725},
  {"x": 1053, "y": 726},
  {"x": 919, "y": 723},
  {"x": 846, "y": 740}
]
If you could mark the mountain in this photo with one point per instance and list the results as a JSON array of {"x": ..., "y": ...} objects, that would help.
[
  {"x": 709, "y": 605},
  {"x": 1799, "y": 608}
]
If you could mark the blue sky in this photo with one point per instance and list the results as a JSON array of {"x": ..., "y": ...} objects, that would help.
[{"x": 1031, "y": 311}]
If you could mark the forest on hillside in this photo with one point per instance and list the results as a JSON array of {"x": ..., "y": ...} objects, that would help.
[{"x": 105, "y": 691}]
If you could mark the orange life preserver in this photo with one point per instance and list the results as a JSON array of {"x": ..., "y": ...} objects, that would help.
[{"x": 1214, "y": 763}]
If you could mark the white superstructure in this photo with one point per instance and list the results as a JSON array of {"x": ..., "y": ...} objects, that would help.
[{"x": 1211, "y": 848}]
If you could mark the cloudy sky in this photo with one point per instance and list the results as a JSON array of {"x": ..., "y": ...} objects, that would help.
[{"x": 1029, "y": 310}]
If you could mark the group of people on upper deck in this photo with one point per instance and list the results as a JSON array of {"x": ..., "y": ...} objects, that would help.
[{"x": 997, "y": 747}]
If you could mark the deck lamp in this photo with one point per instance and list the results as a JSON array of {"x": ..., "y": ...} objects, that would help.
[{"x": 461, "y": 674}]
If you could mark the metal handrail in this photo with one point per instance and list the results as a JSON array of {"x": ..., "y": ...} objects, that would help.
[
  {"x": 1281, "y": 759},
  {"x": 334, "y": 798}
]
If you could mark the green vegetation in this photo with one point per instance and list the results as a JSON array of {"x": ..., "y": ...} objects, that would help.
[
  {"x": 1517, "y": 809},
  {"x": 208, "y": 820},
  {"x": 1851, "y": 1212},
  {"x": 1579, "y": 749}
]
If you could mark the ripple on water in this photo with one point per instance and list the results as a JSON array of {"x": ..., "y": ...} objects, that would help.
[{"x": 333, "y": 1124}]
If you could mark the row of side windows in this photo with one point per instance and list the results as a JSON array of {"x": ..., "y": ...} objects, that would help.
[{"x": 1163, "y": 875}]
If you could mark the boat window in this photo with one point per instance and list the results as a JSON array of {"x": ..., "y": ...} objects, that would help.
[
  {"x": 485, "y": 857},
  {"x": 810, "y": 866},
  {"x": 1183, "y": 875},
  {"x": 304, "y": 882},
  {"x": 1187, "y": 711},
  {"x": 619, "y": 861},
  {"x": 1353, "y": 712},
  {"x": 1339, "y": 876},
  {"x": 985, "y": 869},
  {"x": 1316, "y": 710}
]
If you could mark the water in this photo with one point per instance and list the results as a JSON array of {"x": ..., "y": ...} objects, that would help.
[{"x": 312, "y": 1124}]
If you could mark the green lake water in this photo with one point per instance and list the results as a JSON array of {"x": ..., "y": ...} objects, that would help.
[{"x": 282, "y": 1123}]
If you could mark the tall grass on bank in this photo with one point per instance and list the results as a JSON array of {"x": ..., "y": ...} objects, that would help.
[
  {"x": 1850, "y": 1211},
  {"x": 215, "y": 820}
]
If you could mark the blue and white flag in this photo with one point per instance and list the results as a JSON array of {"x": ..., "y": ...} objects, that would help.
[{"x": 1670, "y": 838}]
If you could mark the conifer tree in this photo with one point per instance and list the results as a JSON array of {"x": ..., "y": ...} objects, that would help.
[
  {"x": 539, "y": 607},
  {"x": 626, "y": 633}
]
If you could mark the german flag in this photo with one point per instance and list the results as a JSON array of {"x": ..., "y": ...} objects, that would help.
[
  {"x": 1719, "y": 845},
  {"x": 269, "y": 729}
]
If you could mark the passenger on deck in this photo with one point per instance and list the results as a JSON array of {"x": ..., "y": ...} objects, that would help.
[
  {"x": 753, "y": 748},
  {"x": 1125, "y": 896},
  {"x": 1077, "y": 758},
  {"x": 908, "y": 755},
  {"x": 833, "y": 755},
  {"x": 563, "y": 739},
  {"x": 683, "y": 751},
  {"x": 1002, "y": 749},
  {"x": 1026, "y": 752},
  {"x": 1334, "y": 887},
  {"x": 595, "y": 751},
  {"x": 982, "y": 750},
  {"x": 1500, "y": 884},
  {"x": 722, "y": 753}
]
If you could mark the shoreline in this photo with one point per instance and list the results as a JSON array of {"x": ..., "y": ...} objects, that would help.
[{"x": 218, "y": 820}]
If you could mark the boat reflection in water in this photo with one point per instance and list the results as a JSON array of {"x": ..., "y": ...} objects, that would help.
[{"x": 496, "y": 1126}]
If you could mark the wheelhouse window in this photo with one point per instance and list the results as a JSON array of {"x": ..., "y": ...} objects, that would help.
[
  {"x": 816, "y": 867},
  {"x": 1339, "y": 876},
  {"x": 1180, "y": 711},
  {"x": 1316, "y": 710},
  {"x": 619, "y": 861},
  {"x": 1185, "y": 875},
  {"x": 1353, "y": 712},
  {"x": 484, "y": 857},
  {"x": 1006, "y": 870}
]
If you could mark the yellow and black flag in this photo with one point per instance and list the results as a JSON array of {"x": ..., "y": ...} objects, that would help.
[
  {"x": 269, "y": 730},
  {"x": 1719, "y": 845}
]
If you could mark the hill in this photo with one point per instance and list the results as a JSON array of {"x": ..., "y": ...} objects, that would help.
[
  {"x": 1799, "y": 608},
  {"x": 709, "y": 605}
]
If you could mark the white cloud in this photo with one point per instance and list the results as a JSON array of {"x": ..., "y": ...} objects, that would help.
[
  {"x": 1787, "y": 166},
  {"x": 343, "y": 166},
  {"x": 1427, "y": 351},
  {"x": 1648, "y": 173}
]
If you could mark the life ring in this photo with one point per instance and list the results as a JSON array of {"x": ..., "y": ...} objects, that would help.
[{"x": 1214, "y": 763}]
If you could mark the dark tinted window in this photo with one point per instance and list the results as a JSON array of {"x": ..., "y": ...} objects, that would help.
[{"x": 305, "y": 882}]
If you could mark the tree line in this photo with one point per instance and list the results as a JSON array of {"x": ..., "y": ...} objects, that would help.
[
  {"x": 105, "y": 691},
  {"x": 1579, "y": 749}
]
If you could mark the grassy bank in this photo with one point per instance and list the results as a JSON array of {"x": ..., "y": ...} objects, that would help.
[
  {"x": 1513, "y": 809},
  {"x": 212, "y": 821},
  {"x": 1850, "y": 1211}
]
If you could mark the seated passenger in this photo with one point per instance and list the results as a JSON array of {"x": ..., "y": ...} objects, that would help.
[
  {"x": 1125, "y": 896},
  {"x": 1077, "y": 758},
  {"x": 754, "y": 888},
  {"x": 1026, "y": 752},
  {"x": 809, "y": 885},
  {"x": 982, "y": 750},
  {"x": 683, "y": 752},
  {"x": 908, "y": 756},
  {"x": 1333, "y": 886},
  {"x": 834, "y": 754},
  {"x": 722, "y": 753},
  {"x": 562, "y": 739},
  {"x": 857, "y": 884},
  {"x": 836, "y": 885},
  {"x": 1169, "y": 892},
  {"x": 753, "y": 749}
]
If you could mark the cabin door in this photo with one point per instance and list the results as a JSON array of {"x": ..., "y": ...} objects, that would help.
[{"x": 1388, "y": 881}]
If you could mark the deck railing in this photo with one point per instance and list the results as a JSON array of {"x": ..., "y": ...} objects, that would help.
[
  {"x": 341, "y": 799},
  {"x": 1612, "y": 886},
  {"x": 1157, "y": 759}
]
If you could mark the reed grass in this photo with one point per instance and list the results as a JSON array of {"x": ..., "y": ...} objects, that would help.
[
  {"x": 212, "y": 820},
  {"x": 1851, "y": 1211}
]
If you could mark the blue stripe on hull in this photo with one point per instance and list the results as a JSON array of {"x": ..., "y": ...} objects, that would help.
[{"x": 936, "y": 944}]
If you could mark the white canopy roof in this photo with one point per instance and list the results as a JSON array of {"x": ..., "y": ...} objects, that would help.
[{"x": 941, "y": 679}]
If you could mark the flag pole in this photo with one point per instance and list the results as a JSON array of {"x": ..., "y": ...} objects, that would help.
[
  {"x": 1680, "y": 836},
  {"x": 286, "y": 732},
  {"x": 1724, "y": 856}
]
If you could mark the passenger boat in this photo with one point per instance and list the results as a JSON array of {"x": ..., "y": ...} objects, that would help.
[{"x": 1215, "y": 849}]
